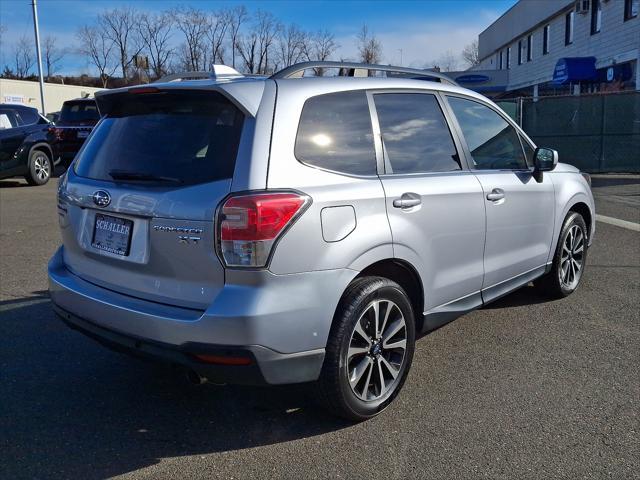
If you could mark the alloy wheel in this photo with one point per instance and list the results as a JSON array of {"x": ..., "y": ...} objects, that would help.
[
  {"x": 42, "y": 167},
  {"x": 377, "y": 350},
  {"x": 572, "y": 258}
]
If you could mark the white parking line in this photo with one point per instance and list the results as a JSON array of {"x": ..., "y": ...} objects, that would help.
[{"x": 619, "y": 223}]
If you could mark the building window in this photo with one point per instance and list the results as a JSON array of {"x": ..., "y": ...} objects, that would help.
[
  {"x": 520, "y": 52},
  {"x": 500, "y": 60},
  {"x": 596, "y": 16},
  {"x": 508, "y": 58},
  {"x": 631, "y": 8},
  {"x": 529, "y": 48},
  {"x": 545, "y": 39},
  {"x": 568, "y": 28}
]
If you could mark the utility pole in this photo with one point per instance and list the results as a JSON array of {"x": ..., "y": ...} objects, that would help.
[
  {"x": 400, "y": 50},
  {"x": 37, "y": 32}
]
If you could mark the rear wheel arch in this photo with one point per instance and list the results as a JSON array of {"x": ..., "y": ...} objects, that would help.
[
  {"x": 405, "y": 275},
  {"x": 42, "y": 147}
]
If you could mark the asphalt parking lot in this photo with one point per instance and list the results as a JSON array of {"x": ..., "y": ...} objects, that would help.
[{"x": 524, "y": 388}]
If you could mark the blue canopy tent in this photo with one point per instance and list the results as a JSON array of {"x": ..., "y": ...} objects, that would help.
[{"x": 574, "y": 69}]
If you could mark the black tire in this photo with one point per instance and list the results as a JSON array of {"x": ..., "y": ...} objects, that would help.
[
  {"x": 40, "y": 168},
  {"x": 554, "y": 284},
  {"x": 357, "y": 306}
]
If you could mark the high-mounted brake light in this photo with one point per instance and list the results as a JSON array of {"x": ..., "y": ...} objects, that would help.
[
  {"x": 143, "y": 90},
  {"x": 249, "y": 225}
]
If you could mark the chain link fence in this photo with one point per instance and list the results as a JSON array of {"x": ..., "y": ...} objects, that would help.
[{"x": 596, "y": 133}]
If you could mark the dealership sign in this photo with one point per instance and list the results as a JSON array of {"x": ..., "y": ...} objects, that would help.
[
  {"x": 472, "y": 78},
  {"x": 574, "y": 69},
  {"x": 19, "y": 99}
]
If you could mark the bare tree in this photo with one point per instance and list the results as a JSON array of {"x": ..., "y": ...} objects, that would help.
[
  {"x": 369, "y": 47},
  {"x": 247, "y": 46},
  {"x": 120, "y": 26},
  {"x": 24, "y": 56},
  {"x": 193, "y": 23},
  {"x": 321, "y": 46},
  {"x": 216, "y": 34},
  {"x": 155, "y": 32},
  {"x": 447, "y": 62},
  {"x": 256, "y": 46},
  {"x": 99, "y": 49},
  {"x": 52, "y": 54},
  {"x": 268, "y": 28},
  {"x": 237, "y": 16},
  {"x": 470, "y": 54},
  {"x": 293, "y": 43}
]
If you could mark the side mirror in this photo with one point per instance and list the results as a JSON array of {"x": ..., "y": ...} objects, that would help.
[{"x": 545, "y": 159}]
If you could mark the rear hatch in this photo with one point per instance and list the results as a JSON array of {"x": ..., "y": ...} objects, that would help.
[
  {"x": 137, "y": 210},
  {"x": 77, "y": 119}
]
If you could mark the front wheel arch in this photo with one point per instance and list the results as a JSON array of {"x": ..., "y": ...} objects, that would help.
[{"x": 584, "y": 210}]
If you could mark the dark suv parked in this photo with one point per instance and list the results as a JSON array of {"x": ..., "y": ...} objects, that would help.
[
  {"x": 25, "y": 144},
  {"x": 74, "y": 124}
]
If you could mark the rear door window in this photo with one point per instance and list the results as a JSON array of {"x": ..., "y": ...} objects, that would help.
[
  {"x": 415, "y": 134},
  {"x": 335, "y": 134},
  {"x": 168, "y": 137}
]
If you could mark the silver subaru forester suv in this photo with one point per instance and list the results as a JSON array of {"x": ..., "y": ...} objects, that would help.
[{"x": 305, "y": 227}]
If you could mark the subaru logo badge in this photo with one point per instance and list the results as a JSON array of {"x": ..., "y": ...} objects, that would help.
[{"x": 101, "y": 198}]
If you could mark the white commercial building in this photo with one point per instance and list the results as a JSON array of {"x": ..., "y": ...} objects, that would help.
[
  {"x": 28, "y": 93},
  {"x": 564, "y": 46}
]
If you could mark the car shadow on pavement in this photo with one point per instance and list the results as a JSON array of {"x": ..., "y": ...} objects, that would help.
[
  {"x": 13, "y": 183},
  {"x": 527, "y": 295},
  {"x": 72, "y": 409},
  {"x": 16, "y": 182}
]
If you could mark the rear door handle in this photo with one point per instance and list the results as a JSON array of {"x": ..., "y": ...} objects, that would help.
[
  {"x": 495, "y": 195},
  {"x": 407, "y": 200}
]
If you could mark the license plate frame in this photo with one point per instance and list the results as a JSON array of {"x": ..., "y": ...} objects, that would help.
[{"x": 109, "y": 237}]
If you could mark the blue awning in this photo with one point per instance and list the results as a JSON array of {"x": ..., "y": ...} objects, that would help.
[{"x": 574, "y": 69}]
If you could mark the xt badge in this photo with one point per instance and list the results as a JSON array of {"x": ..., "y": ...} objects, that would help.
[{"x": 186, "y": 239}]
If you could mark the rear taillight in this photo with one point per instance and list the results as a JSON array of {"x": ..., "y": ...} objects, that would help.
[
  {"x": 249, "y": 225},
  {"x": 58, "y": 133}
]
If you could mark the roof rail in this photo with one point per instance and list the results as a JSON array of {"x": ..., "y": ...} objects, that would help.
[
  {"x": 219, "y": 72},
  {"x": 354, "y": 69}
]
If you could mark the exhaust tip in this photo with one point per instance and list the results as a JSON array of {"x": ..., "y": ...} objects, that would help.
[{"x": 195, "y": 378}]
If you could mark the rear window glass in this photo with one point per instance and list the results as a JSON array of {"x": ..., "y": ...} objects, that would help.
[
  {"x": 168, "y": 137},
  {"x": 79, "y": 111},
  {"x": 335, "y": 134}
]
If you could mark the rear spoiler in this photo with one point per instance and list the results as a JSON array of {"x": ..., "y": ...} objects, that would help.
[{"x": 246, "y": 95}]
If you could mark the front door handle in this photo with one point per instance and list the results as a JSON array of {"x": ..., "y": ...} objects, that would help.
[
  {"x": 495, "y": 195},
  {"x": 407, "y": 200}
]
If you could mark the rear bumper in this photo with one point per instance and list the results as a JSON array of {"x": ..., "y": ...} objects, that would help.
[
  {"x": 280, "y": 326},
  {"x": 261, "y": 359}
]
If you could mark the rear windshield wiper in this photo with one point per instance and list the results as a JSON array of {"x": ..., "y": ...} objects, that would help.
[{"x": 141, "y": 177}]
